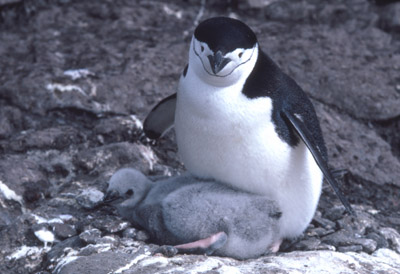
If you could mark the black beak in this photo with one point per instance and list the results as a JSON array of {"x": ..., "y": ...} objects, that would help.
[
  {"x": 217, "y": 61},
  {"x": 111, "y": 196}
]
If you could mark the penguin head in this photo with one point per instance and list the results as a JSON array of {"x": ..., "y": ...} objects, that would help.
[
  {"x": 223, "y": 51},
  {"x": 126, "y": 188}
]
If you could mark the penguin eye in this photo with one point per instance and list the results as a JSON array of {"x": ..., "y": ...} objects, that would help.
[
  {"x": 201, "y": 48},
  {"x": 129, "y": 192},
  {"x": 240, "y": 55}
]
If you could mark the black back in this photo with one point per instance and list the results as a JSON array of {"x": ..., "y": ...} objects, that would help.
[
  {"x": 267, "y": 79},
  {"x": 225, "y": 34}
]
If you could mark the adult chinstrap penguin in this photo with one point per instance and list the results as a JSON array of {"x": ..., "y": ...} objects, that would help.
[{"x": 242, "y": 121}]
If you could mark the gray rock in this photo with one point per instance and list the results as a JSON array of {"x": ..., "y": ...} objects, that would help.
[
  {"x": 383, "y": 260},
  {"x": 334, "y": 213},
  {"x": 357, "y": 148},
  {"x": 4, "y": 2},
  {"x": 309, "y": 244},
  {"x": 344, "y": 240},
  {"x": 359, "y": 224},
  {"x": 379, "y": 239},
  {"x": 90, "y": 236},
  {"x": 322, "y": 222},
  {"x": 63, "y": 231},
  {"x": 392, "y": 236},
  {"x": 116, "y": 155},
  {"x": 319, "y": 231},
  {"x": 130, "y": 233},
  {"x": 11, "y": 121},
  {"x": 106, "y": 262},
  {"x": 110, "y": 224},
  {"x": 112, "y": 240},
  {"x": 259, "y": 3},
  {"x": 118, "y": 129},
  {"x": 58, "y": 249},
  {"x": 350, "y": 248},
  {"x": 142, "y": 236},
  {"x": 390, "y": 17},
  {"x": 90, "y": 198},
  {"x": 50, "y": 138},
  {"x": 369, "y": 245},
  {"x": 330, "y": 73},
  {"x": 289, "y": 11}
]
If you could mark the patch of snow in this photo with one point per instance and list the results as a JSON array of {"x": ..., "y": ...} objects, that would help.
[
  {"x": 55, "y": 221},
  {"x": 137, "y": 122},
  {"x": 66, "y": 217},
  {"x": 162, "y": 261},
  {"x": 10, "y": 194},
  {"x": 226, "y": 269},
  {"x": 129, "y": 265},
  {"x": 64, "y": 88},
  {"x": 24, "y": 251},
  {"x": 39, "y": 219},
  {"x": 148, "y": 155},
  {"x": 169, "y": 11},
  {"x": 64, "y": 261},
  {"x": 77, "y": 73},
  {"x": 206, "y": 266}
]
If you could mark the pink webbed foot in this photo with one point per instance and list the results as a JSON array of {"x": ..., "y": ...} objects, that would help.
[
  {"x": 204, "y": 246},
  {"x": 275, "y": 246}
]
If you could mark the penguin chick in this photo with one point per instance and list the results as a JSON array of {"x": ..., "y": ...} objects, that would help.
[
  {"x": 241, "y": 121},
  {"x": 199, "y": 216}
]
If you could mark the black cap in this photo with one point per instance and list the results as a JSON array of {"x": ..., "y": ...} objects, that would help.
[{"x": 225, "y": 34}]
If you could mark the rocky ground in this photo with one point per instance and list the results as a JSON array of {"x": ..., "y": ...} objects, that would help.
[{"x": 78, "y": 77}]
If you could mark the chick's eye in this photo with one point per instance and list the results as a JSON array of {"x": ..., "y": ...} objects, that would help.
[
  {"x": 201, "y": 48},
  {"x": 129, "y": 192},
  {"x": 240, "y": 55}
]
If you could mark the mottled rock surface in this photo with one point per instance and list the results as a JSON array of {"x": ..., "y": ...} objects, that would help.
[{"x": 77, "y": 77}]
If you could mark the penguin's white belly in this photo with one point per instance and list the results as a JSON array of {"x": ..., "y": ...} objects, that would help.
[{"x": 230, "y": 138}]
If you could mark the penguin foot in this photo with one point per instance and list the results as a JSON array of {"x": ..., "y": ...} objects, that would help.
[
  {"x": 275, "y": 246},
  {"x": 204, "y": 246}
]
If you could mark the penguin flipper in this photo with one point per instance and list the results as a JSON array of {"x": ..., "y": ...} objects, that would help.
[
  {"x": 307, "y": 138},
  {"x": 161, "y": 118}
]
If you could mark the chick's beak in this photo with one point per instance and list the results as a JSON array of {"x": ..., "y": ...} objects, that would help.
[
  {"x": 217, "y": 61},
  {"x": 111, "y": 196}
]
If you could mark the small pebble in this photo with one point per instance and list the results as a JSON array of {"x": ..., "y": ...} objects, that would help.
[
  {"x": 166, "y": 250},
  {"x": 110, "y": 224},
  {"x": 369, "y": 245},
  {"x": 63, "y": 231},
  {"x": 90, "y": 236},
  {"x": 379, "y": 239},
  {"x": 308, "y": 244},
  {"x": 319, "y": 231},
  {"x": 326, "y": 247},
  {"x": 392, "y": 236},
  {"x": 90, "y": 198},
  {"x": 350, "y": 248},
  {"x": 335, "y": 213},
  {"x": 322, "y": 222},
  {"x": 142, "y": 236},
  {"x": 130, "y": 232},
  {"x": 109, "y": 239}
]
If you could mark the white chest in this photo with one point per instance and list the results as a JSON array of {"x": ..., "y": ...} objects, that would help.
[{"x": 222, "y": 134}]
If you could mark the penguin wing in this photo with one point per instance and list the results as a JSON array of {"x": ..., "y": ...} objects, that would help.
[
  {"x": 302, "y": 130},
  {"x": 161, "y": 118}
]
